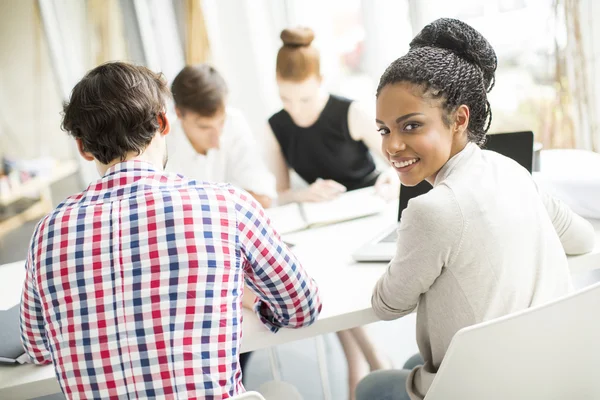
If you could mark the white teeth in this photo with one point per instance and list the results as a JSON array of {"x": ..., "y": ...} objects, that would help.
[{"x": 405, "y": 163}]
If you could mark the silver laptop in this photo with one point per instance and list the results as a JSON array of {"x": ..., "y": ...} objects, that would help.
[{"x": 516, "y": 145}]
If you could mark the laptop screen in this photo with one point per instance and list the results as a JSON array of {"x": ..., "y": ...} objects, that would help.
[{"x": 515, "y": 145}]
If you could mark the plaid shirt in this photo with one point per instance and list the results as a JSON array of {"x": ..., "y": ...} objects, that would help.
[{"x": 134, "y": 286}]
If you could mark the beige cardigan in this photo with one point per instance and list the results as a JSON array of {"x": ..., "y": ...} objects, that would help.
[{"x": 483, "y": 243}]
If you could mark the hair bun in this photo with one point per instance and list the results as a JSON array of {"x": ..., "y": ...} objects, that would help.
[
  {"x": 462, "y": 40},
  {"x": 295, "y": 37}
]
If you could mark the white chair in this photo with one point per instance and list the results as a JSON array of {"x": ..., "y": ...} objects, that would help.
[
  {"x": 546, "y": 352},
  {"x": 248, "y": 396},
  {"x": 321, "y": 361}
]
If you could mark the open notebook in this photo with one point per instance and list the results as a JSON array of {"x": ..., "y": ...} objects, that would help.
[{"x": 351, "y": 205}]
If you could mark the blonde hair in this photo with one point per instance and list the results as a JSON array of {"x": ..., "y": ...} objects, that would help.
[{"x": 297, "y": 60}]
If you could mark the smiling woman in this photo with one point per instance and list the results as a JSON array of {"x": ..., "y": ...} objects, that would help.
[
  {"x": 484, "y": 242},
  {"x": 434, "y": 100},
  {"x": 416, "y": 138}
]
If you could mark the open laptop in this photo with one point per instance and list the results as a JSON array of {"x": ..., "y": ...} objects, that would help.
[{"x": 515, "y": 145}]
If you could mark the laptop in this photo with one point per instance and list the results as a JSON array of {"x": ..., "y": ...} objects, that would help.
[{"x": 515, "y": 145}]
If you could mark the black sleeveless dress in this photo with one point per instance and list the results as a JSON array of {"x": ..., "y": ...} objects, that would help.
[{"x": 325, "y": 149}]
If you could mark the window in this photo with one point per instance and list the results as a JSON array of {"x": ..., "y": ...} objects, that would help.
[
  {"x": 357, "y": 39},
  {"x": 523, "y": 35}
]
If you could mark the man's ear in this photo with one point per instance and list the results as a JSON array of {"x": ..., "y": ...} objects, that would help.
[
  {"x": 461, "y": 119},
  {"x": 86, "y": 155},
  {"x": 163, "y": 124}
]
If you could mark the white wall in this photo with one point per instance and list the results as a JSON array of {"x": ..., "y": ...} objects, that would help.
[{"x": 30, "y": 102}]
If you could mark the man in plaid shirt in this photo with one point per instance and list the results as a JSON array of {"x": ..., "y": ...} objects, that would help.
[{"x": 134, "y": 286}]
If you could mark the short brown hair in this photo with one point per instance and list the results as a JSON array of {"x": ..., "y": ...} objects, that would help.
[
  {"x": 200, "y": 89},
  {"x": 297, "y": 60},
  {"x": 115, "y": 109}
]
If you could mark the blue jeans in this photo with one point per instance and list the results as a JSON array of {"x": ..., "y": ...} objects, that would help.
[{"x": 387, "y": 384}]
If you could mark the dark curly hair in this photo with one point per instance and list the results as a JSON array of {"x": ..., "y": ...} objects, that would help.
[
  {"x": 115, "y": 109},
  {"x": 452, "y": 62}
]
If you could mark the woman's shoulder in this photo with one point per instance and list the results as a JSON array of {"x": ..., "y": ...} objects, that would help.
[
  {"x": 279, "y": 115},
  {"x": 340, "y": 99},
  {"x": 279, "y": 119},
  {"x": 437, "y": 209},
  {"x": 339, "y": 103},
  {"x": 436, "y": 218}
]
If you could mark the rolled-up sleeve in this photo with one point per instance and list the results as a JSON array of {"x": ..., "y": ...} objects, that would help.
[
  {"x": 33, "y": 333},
  {"x": 286, "y": 295},
  {"x": 577, "y": 235},
  {"x": 429, "y": 236}
]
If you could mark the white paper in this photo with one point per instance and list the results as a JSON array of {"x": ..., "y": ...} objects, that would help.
[
  {"x": 12, "y": 277},
  {"x": 286, "y": 219},
  {"x": 348, "y": 206}
]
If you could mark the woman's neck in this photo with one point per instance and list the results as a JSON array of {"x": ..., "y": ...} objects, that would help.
[{"x": 321, "y": 102}]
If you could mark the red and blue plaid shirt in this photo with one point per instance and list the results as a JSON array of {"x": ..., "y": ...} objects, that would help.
[{"x": 134, "y": 286}]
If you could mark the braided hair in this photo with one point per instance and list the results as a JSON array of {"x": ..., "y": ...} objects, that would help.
[{"x": 452, "y": 62}]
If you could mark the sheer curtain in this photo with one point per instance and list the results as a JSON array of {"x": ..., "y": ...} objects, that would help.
[
  {"x": 30, "y": 100},
  {"x": 81, "y": 35},
  {"x": 577, "y": 68},
  {"x": 197, "y": 48}
]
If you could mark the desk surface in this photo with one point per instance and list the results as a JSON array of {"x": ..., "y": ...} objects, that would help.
[{"x": 326, "y": 255}]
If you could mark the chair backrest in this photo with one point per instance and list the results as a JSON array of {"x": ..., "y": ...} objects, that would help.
[
  {"x": 547, "y": 352},
  {"x": 248, "y": 396}
]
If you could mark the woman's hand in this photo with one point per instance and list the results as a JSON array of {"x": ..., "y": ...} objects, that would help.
[
  {"x": 248, "y": 298},
  {"x": 320, "y": 190},
  {"x": 388, "y": 185}
]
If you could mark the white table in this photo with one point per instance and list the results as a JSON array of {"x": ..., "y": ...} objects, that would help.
[{"x": 325, "y": 253}]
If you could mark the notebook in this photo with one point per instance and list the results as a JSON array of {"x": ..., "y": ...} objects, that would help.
[{"x": 348, "y": 206}]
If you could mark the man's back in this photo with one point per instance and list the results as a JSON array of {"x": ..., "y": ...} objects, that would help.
[{"x": 134, "y": 286}]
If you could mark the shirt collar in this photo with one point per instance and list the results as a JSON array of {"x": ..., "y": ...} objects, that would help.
[
  {"x": 129, "y": 166},
  {"x": 122, "y": 174},
  {"x": 455, "y": 162}
]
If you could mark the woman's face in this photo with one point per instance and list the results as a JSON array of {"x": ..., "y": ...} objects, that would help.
[
  {"x": 302, "y": 100},
  {"x": 415, "y": 139}
]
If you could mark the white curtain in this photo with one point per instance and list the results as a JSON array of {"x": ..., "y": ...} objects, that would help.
[
  {"x": 30, "y": 101},
  {"x": 81, "y": 35},
  {"x": 582, "y": 68}
]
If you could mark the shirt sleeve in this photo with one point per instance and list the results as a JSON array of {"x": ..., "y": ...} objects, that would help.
[
  {"x": 246, "y": 168},
  {"x": 576, "y": 234},
  {"x": 286, "y": 295},
  {"x": 429, "y": 235},
  {"x": 33, "y": 334}
]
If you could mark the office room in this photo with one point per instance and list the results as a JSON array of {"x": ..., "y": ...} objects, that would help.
[{"x": 299, "y": 199}]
